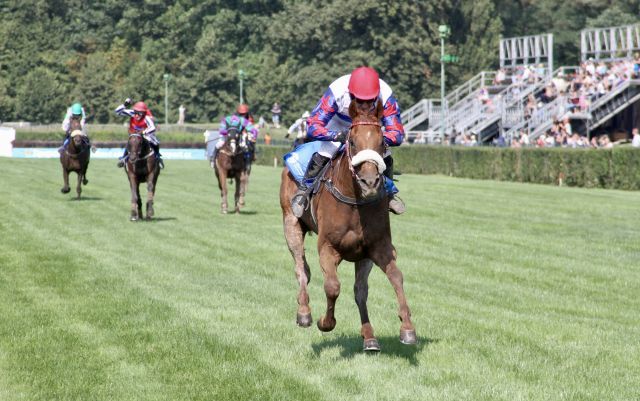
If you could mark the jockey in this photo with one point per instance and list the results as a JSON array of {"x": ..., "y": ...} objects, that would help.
[
  {"x": 141, "y": 122},
  {"x": 300, "y": 127},
  {"x": 239, "y": 121},
  {"x": 75, "y": 112},
  {"x": 330, "y": 122}
]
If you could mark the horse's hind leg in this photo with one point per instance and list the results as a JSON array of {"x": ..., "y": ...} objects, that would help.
[
  {"x": 65, "y": 176},
  {"x": 238, "y": 195},
  {"x": 385, "y": 257},
  {"x": 294, "y": 235},
  {"x": 329, "y": 260},
  {"x": 361, "y": 292}
]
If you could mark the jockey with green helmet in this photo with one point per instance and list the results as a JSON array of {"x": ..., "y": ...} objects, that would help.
[{"x": 74, "y": 113}]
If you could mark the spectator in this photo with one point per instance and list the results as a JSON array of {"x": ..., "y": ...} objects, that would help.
[
  {"x": 181, "y": 111},
  {"x": 267, "y": 139},
  {"x": 261, "y": 122},
  {"x": 635, "y": 142},
  {"x": 276, "y": 111}
]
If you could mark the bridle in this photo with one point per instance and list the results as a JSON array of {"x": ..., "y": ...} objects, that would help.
[
  {"x": 348, "y": 146},
  {"x": 347, "y": 199},
  {"x": 141, "y": 137}
]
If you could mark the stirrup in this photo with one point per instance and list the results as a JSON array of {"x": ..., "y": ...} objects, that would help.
[{"x": 396, "y": 205}]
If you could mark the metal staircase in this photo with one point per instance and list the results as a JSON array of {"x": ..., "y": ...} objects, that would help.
[{"x": 606, "y": 107}]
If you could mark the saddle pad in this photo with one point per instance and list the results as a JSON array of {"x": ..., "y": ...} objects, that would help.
[{"x": 298, "y": 159}]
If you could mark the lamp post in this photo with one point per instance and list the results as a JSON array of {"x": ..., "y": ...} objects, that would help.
[
  {"x": 444, "y": 31},
  {"x": 241, "y": 77},
  {"x": 166, "y": 78}
]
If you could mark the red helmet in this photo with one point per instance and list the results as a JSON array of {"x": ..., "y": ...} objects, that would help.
[
  {"x": 242, "y": 109},
  {"x": 140, "y": 106},
  {"x": 364, "y": 83}
]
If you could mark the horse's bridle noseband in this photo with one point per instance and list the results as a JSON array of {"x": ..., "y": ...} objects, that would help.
[{"x": 348, "y": 147}]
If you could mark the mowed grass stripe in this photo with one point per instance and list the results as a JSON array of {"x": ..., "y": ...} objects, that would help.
[{"x": 517, "y": 291}]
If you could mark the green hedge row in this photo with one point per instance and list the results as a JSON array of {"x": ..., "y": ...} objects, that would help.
[{"x": 617, "y": 168}]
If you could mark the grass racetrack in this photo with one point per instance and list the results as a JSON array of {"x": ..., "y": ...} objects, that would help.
[{"x": 518, "y": 292}]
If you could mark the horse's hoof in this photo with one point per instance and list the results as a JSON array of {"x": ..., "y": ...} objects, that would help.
[
  {"x": 408, "y": 337},
  {"x": 371, "y": 345},
  {"x": 65, "y": 190},
  {"x": 133, "y": 218},
  {"x": 223, "y": 211},
  {"x": 304, "y": 320},
  {"x": 85, "y": 181},
  {"x": 149, "y": 218},
  {"x": 326, "y": 328}
]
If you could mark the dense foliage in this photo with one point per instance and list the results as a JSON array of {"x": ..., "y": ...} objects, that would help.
[{"x": 54, "y": 52}]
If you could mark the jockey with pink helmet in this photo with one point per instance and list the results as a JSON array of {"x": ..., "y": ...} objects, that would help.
[
  {"x": 241, "y": 122},
  {"x": 141, "y": 122},
  {"x": 330, "y": 122}
]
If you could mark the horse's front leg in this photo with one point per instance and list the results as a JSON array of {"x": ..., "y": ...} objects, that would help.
[
  {"x": 65, "y": 176},
  {"x": 294, "y": 235},
  {"x": 79, "y": 185},
  {"x": 135, "y": 200},
  {"x": 151, "y": 187},
  {"x": 244, "y": 182},
  {"x": 385, "y": 257},
  {"x": 329, "y": 260},
  {"x": 222, "y": 183},
  {"x": 361, "y": 292}
]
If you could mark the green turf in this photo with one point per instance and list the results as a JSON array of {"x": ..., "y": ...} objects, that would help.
[{"x": 518, "y": 292}]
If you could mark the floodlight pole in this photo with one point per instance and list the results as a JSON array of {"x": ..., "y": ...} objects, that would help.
[
  {"x": 166, "y": 78},
  {"x": 444, "y": 33},
  {"x": 241, "y": 76}
]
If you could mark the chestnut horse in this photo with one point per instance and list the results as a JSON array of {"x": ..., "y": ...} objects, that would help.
[
  {"x": 350, "y": 214},
  {"x": 142, "y": 166},
  {"x": 75, "y": 158},
  {"x": 230, "y": 164}
]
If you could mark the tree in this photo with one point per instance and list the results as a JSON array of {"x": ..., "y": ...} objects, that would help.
[{"x": 42, "y": 97}]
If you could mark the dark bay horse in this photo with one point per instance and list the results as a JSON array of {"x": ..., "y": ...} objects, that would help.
[
  {"x": 230, "y": 163},
  {"x": 350, "y": 215},
  {"x": 142, "y": 166},
  {"x": 75, "y": 158}
]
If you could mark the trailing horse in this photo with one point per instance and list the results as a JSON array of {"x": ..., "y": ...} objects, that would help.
[
  {"x": 350, "y": 214},
  {"x": 75, "y": 158},
  {"x": 142, "y": 166},
  {"x": 230, "y": 163}
]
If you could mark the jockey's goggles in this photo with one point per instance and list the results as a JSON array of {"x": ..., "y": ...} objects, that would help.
[{"x": 139, "y": 113}]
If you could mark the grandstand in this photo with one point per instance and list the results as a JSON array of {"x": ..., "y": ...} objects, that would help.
[{"x": 527, "y": 95}]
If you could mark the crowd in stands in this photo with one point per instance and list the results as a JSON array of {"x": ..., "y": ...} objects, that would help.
[{"x": 573, "y": 89}]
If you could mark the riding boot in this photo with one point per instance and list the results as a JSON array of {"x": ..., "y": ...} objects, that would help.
[
  {"x": 122, "y": 158},
  {"x": 156, "y": 150},
  {"x": 396, "y": 205},
  {"x": 64, "y": 143},
  {"x": 300, "y": 200}
]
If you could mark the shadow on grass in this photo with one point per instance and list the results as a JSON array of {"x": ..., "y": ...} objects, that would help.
[
  {"x": 389, "y": 345},
  {"x": 85, "y": 198},
  {"x": 155, "y": 220}
]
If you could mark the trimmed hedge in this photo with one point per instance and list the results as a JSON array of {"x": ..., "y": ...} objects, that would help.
[{"x": 616, "y": 168}]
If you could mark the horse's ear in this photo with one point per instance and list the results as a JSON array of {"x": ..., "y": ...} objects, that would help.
[
  {"x": 379, "y": 110},
  {"x": 353, "y": 109}
]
